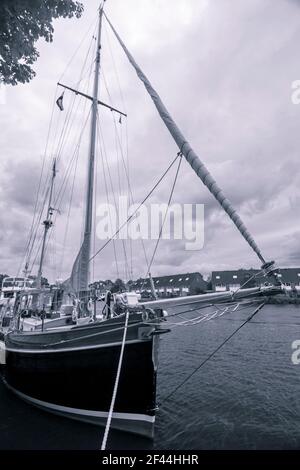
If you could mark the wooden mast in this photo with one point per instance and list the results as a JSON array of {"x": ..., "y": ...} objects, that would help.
[
  {"x": 47, "y": 224},
  {"x": 81, "y": 272}
]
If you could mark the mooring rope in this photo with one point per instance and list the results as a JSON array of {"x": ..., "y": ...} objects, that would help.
[{"x": 112, "y": 404}]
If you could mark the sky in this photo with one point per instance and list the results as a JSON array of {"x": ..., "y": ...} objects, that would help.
[{"x": 224, "y": 70}]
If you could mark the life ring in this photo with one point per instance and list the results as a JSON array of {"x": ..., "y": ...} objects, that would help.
[{"x": 90, "y": 305}]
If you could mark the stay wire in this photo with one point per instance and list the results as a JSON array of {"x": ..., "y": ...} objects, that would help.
[
  {"x": 39, "y": 188},
  {"x": 102, "y": 152},
  {"x": 63, "y": 187},
  {"x": 214, "y": 352},
  {"x": 135, "y": 212},
  {"x": 93, "y": 22},
  {"x": 125, "y": 164},
  {"x": 165, "y": 216}
]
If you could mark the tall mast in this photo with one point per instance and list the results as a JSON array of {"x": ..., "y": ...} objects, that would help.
[
  {"x": 47, "y": 224},
  {"x": 91, "y": 165}
]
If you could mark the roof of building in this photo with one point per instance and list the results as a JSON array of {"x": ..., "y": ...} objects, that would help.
[
  {"x": 291, "y": 275},
  {"x": 174, "y": 280}
]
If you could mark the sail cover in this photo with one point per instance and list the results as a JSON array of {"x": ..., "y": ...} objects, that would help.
[{"x": 191, "y": 157}]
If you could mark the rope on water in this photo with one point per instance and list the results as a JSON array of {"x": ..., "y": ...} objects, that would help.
[
  {"x": 113, "y": 399},
  {"x": 215, "y": 351}
]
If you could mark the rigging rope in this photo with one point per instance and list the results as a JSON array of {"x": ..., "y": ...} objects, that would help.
[
  {"x": 70, "y": 115},
  {"x": 118, "y": 146},
  {"x": 165, "y": 216},
  {"x": 39, "y": 207},
  {"x": 62, "y": 189},
  {"x": 247, "y": 281},
  {"x": 73, "y": 183},
  {"x": 93, "y": 22},
  {"x": 115, "y": 390},
  {"x": 125, "y": 163},
  {"x": 215, "y": 351},
  {"x": 60, "y": 195},
  {"x": 103, "y": 153},
  {"x": 135, "y": 212},
  {"x": 38, "y": 221},
  {"x": 68, "y": 216},
  {"x": 31, "y": 231}
]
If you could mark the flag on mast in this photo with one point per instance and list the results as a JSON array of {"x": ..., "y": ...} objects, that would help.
[{"x": 59, "y": 102}]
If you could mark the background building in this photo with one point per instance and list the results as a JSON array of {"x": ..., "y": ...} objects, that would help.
[
  {"x": 233, "y": 280},
  {"x": 172, "y": 286}
]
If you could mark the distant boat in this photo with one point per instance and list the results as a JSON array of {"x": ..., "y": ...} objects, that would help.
[{"x": 62, "y": 352}]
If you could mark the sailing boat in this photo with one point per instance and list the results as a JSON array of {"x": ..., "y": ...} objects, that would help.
[{"x": 103, "y": 370}]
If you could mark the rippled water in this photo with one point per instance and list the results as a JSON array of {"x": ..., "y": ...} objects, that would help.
[{"x": 245, "y": 397}]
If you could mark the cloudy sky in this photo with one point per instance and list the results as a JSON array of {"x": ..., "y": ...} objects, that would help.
[{"x": 224, "y": 69}]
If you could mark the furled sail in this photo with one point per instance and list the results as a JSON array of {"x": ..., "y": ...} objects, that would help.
[
  {"x": 189, "y": 153},
  {"x": 80, "y": 272}
]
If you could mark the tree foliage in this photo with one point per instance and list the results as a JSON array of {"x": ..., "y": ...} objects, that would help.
[
  {"x": 118, "y": 286},
  {"x": 22, "y": 23}
]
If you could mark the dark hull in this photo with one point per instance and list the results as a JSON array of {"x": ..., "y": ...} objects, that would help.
[{"x": 76, "y": 378}]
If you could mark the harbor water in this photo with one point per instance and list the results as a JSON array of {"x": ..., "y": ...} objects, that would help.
[{"x": 245, "y": 397}]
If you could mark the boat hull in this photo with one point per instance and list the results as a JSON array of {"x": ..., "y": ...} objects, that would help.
[
  {"x": 135, "y": 423},
  {"x": 77, "y": 380}
]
